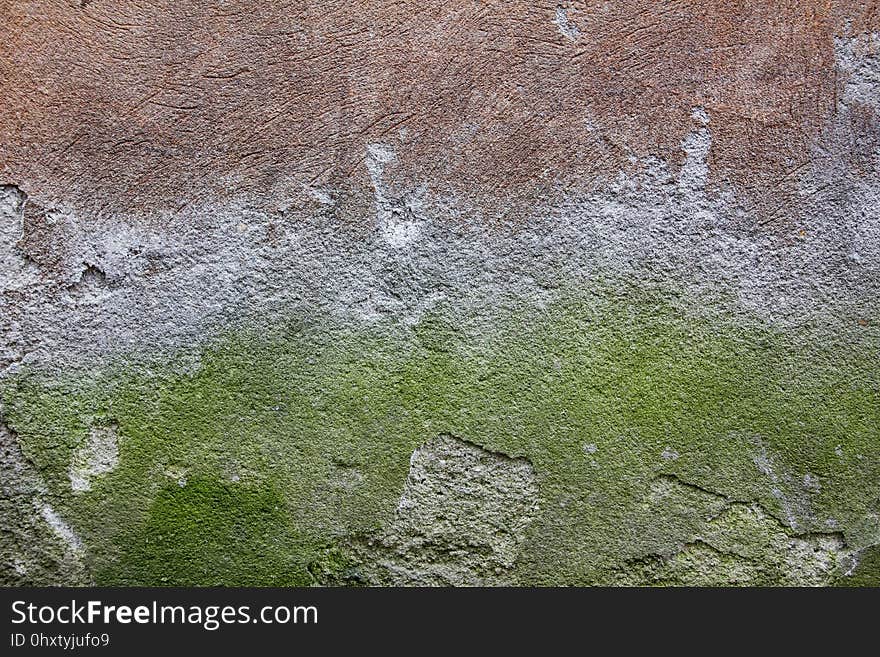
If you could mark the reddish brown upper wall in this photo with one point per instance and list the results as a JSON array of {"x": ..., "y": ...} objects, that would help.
[{"x": 148, "y": 105}]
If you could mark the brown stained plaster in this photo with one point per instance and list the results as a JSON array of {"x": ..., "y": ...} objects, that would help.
[{"x": 136, "y": 106}]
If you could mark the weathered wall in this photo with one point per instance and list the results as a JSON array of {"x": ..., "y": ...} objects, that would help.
[{"x": 440, "y": 292}]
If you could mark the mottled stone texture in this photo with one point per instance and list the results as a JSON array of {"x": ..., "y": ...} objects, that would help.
[
  {"x": 440, "y": 293},
  {"x": 461, "y": 520}
]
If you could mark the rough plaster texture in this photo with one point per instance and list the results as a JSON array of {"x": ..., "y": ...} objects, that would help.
[
  {"x": 260, "y": 264},
  {"x": 460, "y": 521}
]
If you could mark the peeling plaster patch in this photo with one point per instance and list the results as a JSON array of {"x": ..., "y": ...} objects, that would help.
[
  {"x": 92, "y": 287},
  {"x": 321, "y": 195},
  {"x": 37, "y": 548},
  {"x": 461, "y": 519},
  {"x": 378, "y": 155},
  {"x": 816, "y": 556},
  {"x": 62, "y": 529},
  {"x": 16, "y": 272},
  {"x": 695, "y": 171},
  {"x": 397, "y": 221},
  {"x": 847, "y": 157},
  {"x": 765, "y": 466},
  {"x": 400, "y": 231},
  {"x": 859, "y": 58},
  {"x": 563, "y": 23},
  {"x": 97, "y": 456},
  {"x": 732, "y": 543},
  {"x": 700, "y": 115},
  {"x": 11, "y": 202}
]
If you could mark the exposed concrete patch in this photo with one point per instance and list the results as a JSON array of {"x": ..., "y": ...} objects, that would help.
[
  {"x": 565, "y": 25},
  {"x": 16, "y": 270},
  {"x": 739, "y": 544},
  {"x": 859, "y": 59},
  {"x": 846, "y": 159},
  {"x": 397, "y": 219},
  {"x": 461, "y": 520},
  {"x": 37, "y": 547},
  {"x": 795, "y": 504},
  {"x": 61, "y": 529},
  {"x": 98, "y": 455},
  {"x": 695, "y": 171},
  {"x": 865, "y": 568}
]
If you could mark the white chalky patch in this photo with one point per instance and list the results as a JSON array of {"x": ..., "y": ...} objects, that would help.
[{"x": 97, "y": 456}]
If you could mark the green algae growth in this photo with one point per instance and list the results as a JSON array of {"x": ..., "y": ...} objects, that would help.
[{"x": 254, "y": 465}]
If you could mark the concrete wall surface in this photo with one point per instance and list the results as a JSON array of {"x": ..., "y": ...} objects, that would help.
[{"x": 440, "y": 293}]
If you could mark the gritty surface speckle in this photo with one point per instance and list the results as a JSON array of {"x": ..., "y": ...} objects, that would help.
[
  {"x": 629, "y": 257},
  {"x": 97, "y": 456},
  {"x": 461, "y": 520}
]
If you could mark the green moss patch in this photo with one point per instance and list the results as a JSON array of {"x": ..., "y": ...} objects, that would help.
[
  {"x": 208, "y": 532},
  {"x": 282, "y": 443}
]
